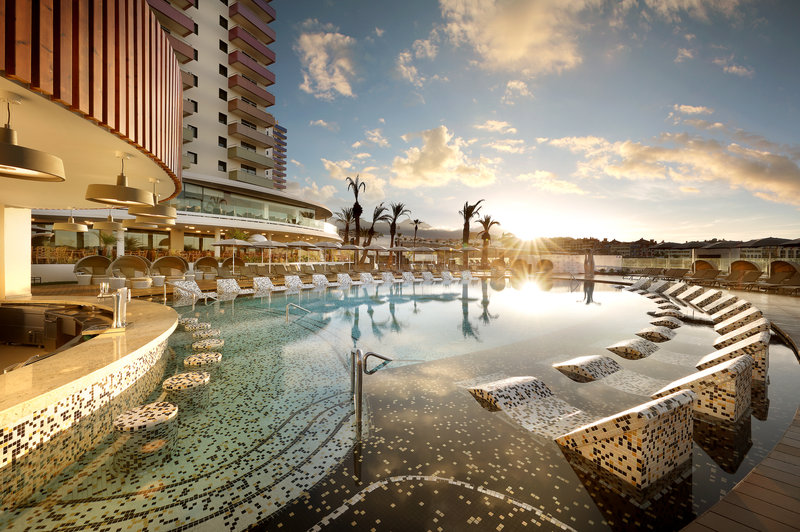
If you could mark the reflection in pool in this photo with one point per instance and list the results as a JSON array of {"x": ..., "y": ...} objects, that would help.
[{"x": 274, "y": 442}]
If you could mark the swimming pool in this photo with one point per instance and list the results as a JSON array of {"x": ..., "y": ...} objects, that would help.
[{"x": 274, "y": 444}]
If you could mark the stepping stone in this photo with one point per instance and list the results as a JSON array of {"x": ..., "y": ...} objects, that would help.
[
  {"x": 677, "y": 288},
  {"x": 634, "y": 349},
  {"x": 658, "y": 286},
  {"x": 208, "y": 333},
  {"x": 202, "y": 359},
  {"x": 208, "y": 343},
  {"x": 670, "y": 312},
  {"x": 186, "y": 321},
  {"x": 196, "y": 326},
  {"x": 657, "y": 334},
  {"x": 667, "y": 321},
  {"x": 691, "y": 293},
  {"x": 588, "y": 368},
  {"x": 146, "y": 417},
  {"x": 186, "y": 381},
  {"x": 756, "y": 346},
  {"x": 705, "y": 299},
  {"x": 669, "y": 306}
]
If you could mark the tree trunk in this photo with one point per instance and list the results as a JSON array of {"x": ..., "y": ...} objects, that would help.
[{"x": 465, "y": 233}]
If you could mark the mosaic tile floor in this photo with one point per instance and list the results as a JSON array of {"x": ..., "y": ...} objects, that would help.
[{"x": 274, "y": 446}]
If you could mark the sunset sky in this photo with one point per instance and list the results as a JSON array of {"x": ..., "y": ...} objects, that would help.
[{"x": 666, "y": 119}]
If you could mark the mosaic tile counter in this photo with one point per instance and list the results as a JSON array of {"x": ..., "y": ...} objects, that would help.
[
  {"x": 274, "y": 447},
  {"x": 41, "y": 401}
]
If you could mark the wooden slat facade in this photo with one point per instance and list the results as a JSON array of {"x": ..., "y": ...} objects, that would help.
[{"x": 108, "y": 60}]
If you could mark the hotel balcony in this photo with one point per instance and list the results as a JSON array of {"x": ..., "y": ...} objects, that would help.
[
  {"x": 184, "y": 52},
  {"x": 250, "y": 113},
  {"x": 250, "y": 67},
  {"x": 185, "y": 4},
  {"x": 171, "y": 18},
  {"x": 188, "y": 136},
  {"x": 247, "y": 177},
  {"x": 242, "y": 132},
  {"x": 246, "y": 18},
  {"x": 278, "y": 174},
  {"x": 189, "y": 107},
  {"x": 250, "y": 90},
  {"x": 189, "y": 80},
  {"x": 261, "y": 8},
  {"x": 249, "y": 157},
  {"x": 242, "y": 39}
]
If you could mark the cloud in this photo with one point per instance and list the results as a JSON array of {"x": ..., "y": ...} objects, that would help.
[
  {"x": 770, "y": 174},
  {"x": 326, "y": 61},
  {"x": 689, "y": 190},
  {"x": 339, "y": 170},
  {"x": 671, "y": 10},
  {"x": 683, "y": 55},
  {"x": 332, "y": 126},
  {"x": 424, "y": 49},
  {"x": 693, "y": 109},
  {"x": 549, "y": 182},
  {"x": 379, "y": 32},
  {"x": 496, "y": 125},
  {"x": 296, "y": 162},
  {"x": 357, "y": 144},
  {"x": 312, "y": 192},
  {"x": 515, "y": 89},
  {"x": 508, "y": 145},
  {"x": 439, "y": 161},
  {"x": 731, "y": 68},
  {"x": 407, "y": 70},
  {"x": 362, "y": 155},
  {"x": 376, "y": 137},
  {"x": 531, "y": 38}
]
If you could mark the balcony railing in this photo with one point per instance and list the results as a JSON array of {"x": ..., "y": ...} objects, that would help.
[
  {"x": 240, "y": 131},
  {"x": 183, "y": 51},
  {"x": 250, "y": 157},
  {"x": 250, "y": 67},
  {"x": 250, "y": 90},
  {"x": 171, "y": 18},
  {"x": 246, "y": 18},
  {"x": 250, "y": 113},
  {"x": 243, "y": 39}
]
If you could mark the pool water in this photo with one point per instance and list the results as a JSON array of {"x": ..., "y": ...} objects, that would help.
[{"x": 273, "y": 447}]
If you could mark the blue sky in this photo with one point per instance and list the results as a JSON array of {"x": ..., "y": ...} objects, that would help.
[{"x": 666, "y": 119}]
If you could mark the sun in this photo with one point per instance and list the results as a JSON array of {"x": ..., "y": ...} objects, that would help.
[{"x": 525, "y": 226}]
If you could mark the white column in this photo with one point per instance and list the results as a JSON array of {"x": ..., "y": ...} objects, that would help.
[
  {"x": 120, "y": 243},
  {"x": 176, "y": 241},
  {"x": 217, "y": 237},
  {"x": 15, "y": 252}
]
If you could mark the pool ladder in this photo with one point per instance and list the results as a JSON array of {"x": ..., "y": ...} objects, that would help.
[
  {"x": 358, "y": 368},
  {"x": 289, "y": 305}
]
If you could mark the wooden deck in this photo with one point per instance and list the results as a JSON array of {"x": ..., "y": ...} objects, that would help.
[{"x": 767, "y": 499}]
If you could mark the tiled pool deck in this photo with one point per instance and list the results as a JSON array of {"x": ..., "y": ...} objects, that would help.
[{"x": 768, "y": 498}]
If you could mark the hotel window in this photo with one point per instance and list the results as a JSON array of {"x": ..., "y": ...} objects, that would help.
[
  {"x": 193, "y": 129},
  {"x": 248, "y": 146},
  {"x": 223, "y": 22},
  {"x": 249, "y": 102},
  {"x": 223, "y": 70},
  {"x": 248, "y": 169},
  {"x": 222, "y": 142},
  {"x": 191, "y": 157},
  {"x": 223, "y": 46},
  {"x": 223, "y": 118},
  {"x": 223, "y": 95},
  {"x": 222, "y": 166},
  {"x": 248, "y": 124}
]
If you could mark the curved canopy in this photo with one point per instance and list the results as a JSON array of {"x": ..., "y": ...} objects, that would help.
[
  {"x": 94, "y": 264},
  {"x": 206, "y": 262},
  {"x": 703, "y": 265},
  {"x": 745, "y": 265},
  {"x": 778, "y": 266},
  {"x": 230, "y": 260},
  {"x": 131, "y": 266},
  {"x": 169, "y": 265}
]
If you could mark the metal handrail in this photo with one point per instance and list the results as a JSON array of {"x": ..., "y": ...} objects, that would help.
[
  {"x": 295, "y": 306},
  {"x": 358, "y": 368}
]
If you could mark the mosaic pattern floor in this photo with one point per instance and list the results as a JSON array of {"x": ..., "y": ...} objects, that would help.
[{"x": 273, "y": 447}]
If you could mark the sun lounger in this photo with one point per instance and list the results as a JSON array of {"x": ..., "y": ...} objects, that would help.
[
  {"x": 367, "y": 278},
  {"x": 263, "y": 285},
  {"x": 428, "y": 277},
  {"x": 408, "y": 277},
  {"x": 229, "y": 287},
  {"x": 344, "y": 279},
  {"x": 388, "y": 277},
  {"x": 190, "y": 289},
  {"x": 293, "y": 282}
]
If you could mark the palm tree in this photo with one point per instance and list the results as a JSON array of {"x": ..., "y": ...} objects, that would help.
[
  {"x": 417, "y": 222},
  {"x": 378, "y": 215},
  {"x": 357, "y": 186},
  {"x": 345, "y": 216},
  {"x": 487, "y": 224},
  {"x": 396, "y": 210},
  {"x": 468, "y": 212}
]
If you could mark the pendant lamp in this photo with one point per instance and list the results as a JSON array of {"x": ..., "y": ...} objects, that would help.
[
  {"x": 133, "y": 224},
  {"x": 19, "y": 162},
  {"x": 154, "y": 220},
  {"x": 120, "y": 194},
  {"x": 109, "y": 225},
  {"x": 70, "y": 225},
  {"x": 158, "y": 210}
]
